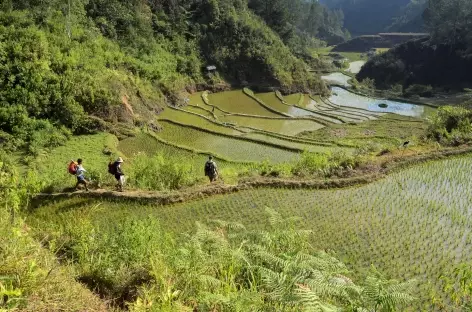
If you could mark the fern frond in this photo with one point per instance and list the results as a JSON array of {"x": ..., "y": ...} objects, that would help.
[{"x": 275, "y": 218}]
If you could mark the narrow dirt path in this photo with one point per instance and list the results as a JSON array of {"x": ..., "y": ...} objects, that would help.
[{"x": 219, "y": 188}]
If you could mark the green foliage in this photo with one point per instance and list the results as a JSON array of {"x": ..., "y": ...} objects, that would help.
[
  {"x": 16, "y": 190},
  {"x": 392, "y": 223},
  {"x": 442, "y": 60},
  {"x": 298, "y": 22},
  {"x": 222, "y": 266},
  {"x": 67, "y": 69},
  {"x": 385, "y": 295},
  {"x": 457, "y": 283},
  {"x": 159, "y": 173},
  {"x": 255, "y": 55},
  {"x": 448, "y": 22},
  {"x": 324, "y": 164},
  {"x": 30, "y": 278},
  {"x": 451, "y": 125}
]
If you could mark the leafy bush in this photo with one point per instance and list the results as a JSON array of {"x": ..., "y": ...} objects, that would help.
[{"x": 451, "y": 125}]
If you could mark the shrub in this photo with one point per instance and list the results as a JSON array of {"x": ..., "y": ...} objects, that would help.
[
  {"x": 325, "y": 164},
  {"x": 311, "y": 163},
  {"x": 451, "y": 125},
  {"x": 265, "y": 168}
]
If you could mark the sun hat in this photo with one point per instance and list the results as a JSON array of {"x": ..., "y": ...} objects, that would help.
[{"x": 120, "y": 160}]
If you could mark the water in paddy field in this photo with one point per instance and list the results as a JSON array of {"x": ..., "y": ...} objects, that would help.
[
  {"x": 345, "y": 98},
  {"x": 337, "y": 78},
  {"x": 355, "y": 67}
]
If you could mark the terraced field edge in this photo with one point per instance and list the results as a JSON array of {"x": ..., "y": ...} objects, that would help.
[{"x": 167, "y": 198}]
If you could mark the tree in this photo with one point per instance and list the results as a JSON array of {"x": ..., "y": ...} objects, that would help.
[{"x": 450, "y": 21}]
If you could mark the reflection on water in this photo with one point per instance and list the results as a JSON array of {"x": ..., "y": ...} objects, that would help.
[
  {"x": 345, "y": 98},
  {"x": 337, "y": 78},
  {"x": 355, "y": 67}
]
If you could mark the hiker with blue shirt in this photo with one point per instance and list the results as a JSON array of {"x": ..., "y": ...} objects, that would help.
[{"x": 80, "y": 173}]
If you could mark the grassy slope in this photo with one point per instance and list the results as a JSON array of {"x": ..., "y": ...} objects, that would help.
[
  {"x": 53, "y": 166},
  {"x": 44, "y": 284},
  {"x": 392, "y": 223}
]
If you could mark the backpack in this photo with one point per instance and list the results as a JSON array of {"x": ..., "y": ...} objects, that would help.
[
  {"x": 72, "y": 168},
  {"x": 111, "y": 168},
  {"x": 209, "y": 168}
]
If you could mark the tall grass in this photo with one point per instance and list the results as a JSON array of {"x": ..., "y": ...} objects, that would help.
[
  {"x": 160, "y": 173},
  {"x": 31, "y": 279}
]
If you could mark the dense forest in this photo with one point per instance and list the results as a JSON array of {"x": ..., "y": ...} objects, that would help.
[
  {"x": 71, "y": 67},
  {"x": 443, "y": 60},
  {"x": 364, "y": 17}
]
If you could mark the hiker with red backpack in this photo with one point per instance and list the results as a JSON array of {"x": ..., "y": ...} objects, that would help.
[
  {"x": 78, "y": 170},
  {"x": 115, "y": 169}
]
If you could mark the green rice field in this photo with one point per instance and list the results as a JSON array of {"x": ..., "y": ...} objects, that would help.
[
  {"x": 237, "y": 102},
  {"x": 227, "y": 147},
  {"x": 314, "y": 148},
  {"x": 148, "y": 145},
  {"x": 221, "y": 127},
  {"x": 280, "y": 125},
  {"x": 292, "y": 99},
  {"x": 187, "y": 118},
  {"x": 413, "y": 224}
]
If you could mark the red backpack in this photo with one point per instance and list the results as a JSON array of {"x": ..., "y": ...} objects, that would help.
[{"x": 72, "y": 168}]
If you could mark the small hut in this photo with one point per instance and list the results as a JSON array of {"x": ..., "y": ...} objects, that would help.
[{"x": 210, "y": 70}]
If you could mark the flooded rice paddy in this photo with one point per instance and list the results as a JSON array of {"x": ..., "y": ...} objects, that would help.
[{"x": 343, "y": 97}]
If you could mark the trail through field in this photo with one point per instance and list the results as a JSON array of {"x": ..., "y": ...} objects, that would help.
[{"x": 413, "y": 224}]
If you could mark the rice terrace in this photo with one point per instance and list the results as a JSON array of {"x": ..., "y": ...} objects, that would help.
[{"x": 281, "y": 155}]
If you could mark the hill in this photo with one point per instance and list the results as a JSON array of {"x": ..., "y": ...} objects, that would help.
[
  {"x": 366, "y": 17},
  {"x": 110, "y": 65},
  {"x": 382, "y": 40},
  {"x": 444, "y": 60}
]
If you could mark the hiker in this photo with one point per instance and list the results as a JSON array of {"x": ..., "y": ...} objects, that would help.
[
  {"x": 80, "y": 174},
  {"x": 211, "y": 170},
  {"x": 115, "y": 169}
]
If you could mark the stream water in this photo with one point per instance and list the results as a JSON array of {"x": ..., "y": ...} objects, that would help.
[
  {"x": 337, "y": 78},
  {"x": 355, "y": 67}
]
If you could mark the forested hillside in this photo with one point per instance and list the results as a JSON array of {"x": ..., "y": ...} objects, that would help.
[
  {"x": 72, "y": 67},
  {"x": 364, "y": 17},
  {"x": 299, "y": 21},
  {"x": 444, "y": 60}
]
